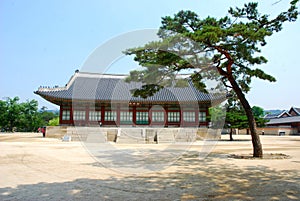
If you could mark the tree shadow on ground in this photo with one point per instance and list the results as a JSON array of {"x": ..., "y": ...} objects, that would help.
[
  {"x": 234, "y": 140},
  {"x": 143, "y": 158},
  {"x": 196, "y": 180}
]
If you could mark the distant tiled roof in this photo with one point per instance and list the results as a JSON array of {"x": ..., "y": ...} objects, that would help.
[
  {"x": 297, "y": 110},
  {"x": 271, "y": 116},
  {"x": 284, "y": 120},
  {"x": 99, "y": 87},
  {"x": 276, "y": 115},
  {"x": 284, "y": 114}
]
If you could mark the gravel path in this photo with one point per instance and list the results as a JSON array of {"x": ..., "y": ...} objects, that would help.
[{"x": 36, "y": 168}]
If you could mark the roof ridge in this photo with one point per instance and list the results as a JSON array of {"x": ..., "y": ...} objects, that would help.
[
  {"x": 297, "y": 110},
  {"x": 93, "y": 73},
  {"x": 99, "y": 75}
]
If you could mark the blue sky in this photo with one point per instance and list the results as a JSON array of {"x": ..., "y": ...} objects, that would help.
[{"x": 44, "y": 42}]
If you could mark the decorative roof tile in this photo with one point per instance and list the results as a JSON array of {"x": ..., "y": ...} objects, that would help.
[
  {"x": 99, "y": 87},
  {"x": 284, "y": 120},
  {"x": 296, "y": 110}
]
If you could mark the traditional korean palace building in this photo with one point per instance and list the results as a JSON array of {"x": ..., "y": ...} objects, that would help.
[
  {"x": 91, "y": 99},
  {"x": 286, "y": 119}
]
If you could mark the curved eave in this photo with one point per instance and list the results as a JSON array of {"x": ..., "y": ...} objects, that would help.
[
  {"x": 60, "y": 101},
  {"x": 55, "y": 100}
]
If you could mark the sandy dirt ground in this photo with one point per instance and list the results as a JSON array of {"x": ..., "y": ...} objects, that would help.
[{"x": 36, "y": 168}]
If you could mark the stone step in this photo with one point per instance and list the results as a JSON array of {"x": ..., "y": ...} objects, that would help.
[
  {"x": 128, "y": 135},
  {"x": 97, "y": 137},
  {"x": 151, "y": 136},
  {"x": 186, "y": 135},
  {"x": 131, "y": 136},
  {"x": 166, "y": 136}
]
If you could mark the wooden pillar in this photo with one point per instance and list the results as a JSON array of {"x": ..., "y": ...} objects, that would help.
[
  {"x": 60, "y": 114},
  {"x": 197, "y": 111},
  {"x": 87, "y": 112},
  {"x": 166, "y": 115},
  {"x": 71, "y": 116},
  {"x": 181, "y": 120},
  {"x": 207, "y": 114},
  {"x": 102, "y": 114},
  {"x": 149, "y": 115},
  {"x": 134, "y": 115},
  {"x": 118, "y": 115}
]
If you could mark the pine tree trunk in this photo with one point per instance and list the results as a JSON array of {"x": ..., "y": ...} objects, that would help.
[
  {"x": 257, "y": 147},
  {"x": 230, "y": 135}
]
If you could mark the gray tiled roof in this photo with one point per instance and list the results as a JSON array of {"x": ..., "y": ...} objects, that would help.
[
  {"x": 84, "y": 86},
  {"x": 284, "y": 120},
  {"x": 276, "y": 115},
  {"x": 297, "y": 110}
]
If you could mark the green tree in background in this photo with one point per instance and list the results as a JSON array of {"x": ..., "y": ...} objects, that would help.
[
  {"x": 54, "y": 122},
  {"x": 25, "y": 117},
  {"x": 10, "y": 113},
  {"x": 229, "y": 45},
  {"x": 259, "y": 113},
  {"x": 3, "y": 114},
  {"x": 29, "y": 118},
  {"x": 236, "y": 116},
  {"x": 47, "y": 116}
]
